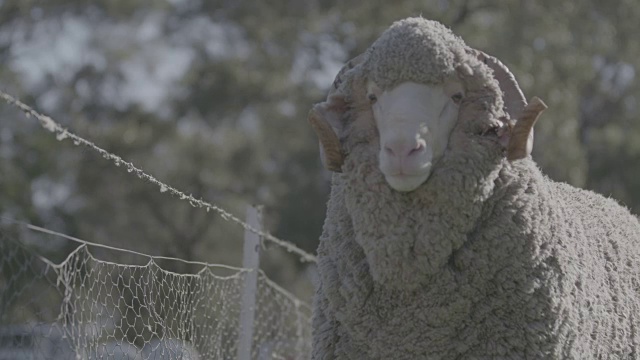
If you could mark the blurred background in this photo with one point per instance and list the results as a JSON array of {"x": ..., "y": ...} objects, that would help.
[{"x": 212, "y": 97}]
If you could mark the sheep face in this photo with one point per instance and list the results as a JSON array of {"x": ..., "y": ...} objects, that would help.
[{"x": 414, "y": 122}]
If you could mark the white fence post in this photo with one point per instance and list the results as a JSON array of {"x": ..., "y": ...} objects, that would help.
[{"x": 250, "y": 260}]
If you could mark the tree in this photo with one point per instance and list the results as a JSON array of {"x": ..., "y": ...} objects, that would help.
[{"x": 212, "y": 97}]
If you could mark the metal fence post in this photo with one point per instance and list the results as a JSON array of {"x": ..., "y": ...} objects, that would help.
[{"x": 250, "y": 260}]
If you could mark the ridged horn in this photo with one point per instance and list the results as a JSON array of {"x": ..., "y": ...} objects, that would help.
[
  {"x": 333, "y": 157},
  {"x": 513, "y": 97},
  {"x": 521, "y": 139},
  {"x": 348, "y": 66},
  {"x": 322, "y": 115}
]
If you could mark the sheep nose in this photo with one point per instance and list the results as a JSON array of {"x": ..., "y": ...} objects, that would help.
[{"x": 402, "y": 148}]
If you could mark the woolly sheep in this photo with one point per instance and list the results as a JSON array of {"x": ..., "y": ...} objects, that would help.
[{"x": 485, "y": 259}]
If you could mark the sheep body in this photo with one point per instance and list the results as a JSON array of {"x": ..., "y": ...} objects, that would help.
[
  {"x": 550, "y": 272},
  {"x": 488, "y": 259}
]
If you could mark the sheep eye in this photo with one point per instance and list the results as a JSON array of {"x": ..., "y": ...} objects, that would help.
[
  {"x": 372, "y": 98},
  {"x": 457, "y": 98}
]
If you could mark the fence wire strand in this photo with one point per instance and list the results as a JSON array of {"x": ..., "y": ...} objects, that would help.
[{"x": 63, "y": 134}]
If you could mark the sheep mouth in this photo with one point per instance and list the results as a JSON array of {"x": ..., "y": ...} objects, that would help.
[{"x": 407, "y": 182}]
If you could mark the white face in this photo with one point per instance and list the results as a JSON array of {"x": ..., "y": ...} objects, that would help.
[{"x": 414, "y": 122}]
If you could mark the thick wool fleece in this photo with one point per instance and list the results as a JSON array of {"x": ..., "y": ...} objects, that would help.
[
  {"x": 486, "y": 260},
  {"x": 414, "y": 49}
]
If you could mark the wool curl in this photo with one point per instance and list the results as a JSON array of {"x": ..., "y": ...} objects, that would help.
[{"x": 414, "y": 49}]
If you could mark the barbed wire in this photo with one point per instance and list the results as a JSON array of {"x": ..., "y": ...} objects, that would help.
[{"x": 63, "y": 134}]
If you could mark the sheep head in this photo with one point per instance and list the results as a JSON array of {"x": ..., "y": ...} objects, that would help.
[{"x": 406, "y": 92}]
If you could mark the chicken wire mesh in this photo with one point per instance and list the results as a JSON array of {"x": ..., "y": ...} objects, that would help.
[{"x": 86, "y": 307}]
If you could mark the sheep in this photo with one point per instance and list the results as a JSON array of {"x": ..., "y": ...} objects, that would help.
[{"x": 481, "y": 256}]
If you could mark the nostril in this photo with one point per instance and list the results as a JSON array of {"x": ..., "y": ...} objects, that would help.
[{"x": 419, "y": 147}]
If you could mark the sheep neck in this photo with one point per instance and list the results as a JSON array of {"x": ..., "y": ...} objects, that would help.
[{"x": 409, "y": 237}]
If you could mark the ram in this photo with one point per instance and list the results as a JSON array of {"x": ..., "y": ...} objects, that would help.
[{"x": 443, "y": 239}]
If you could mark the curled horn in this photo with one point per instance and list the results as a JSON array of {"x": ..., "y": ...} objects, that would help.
[
  {"x": 331, "y": 149},
  {"x": 348, "y": 66},
  {"x": 513, "y": 97},
  {"x": 324, "y": 114},
  {"x": 520, "y": 135},
  {"x": 521, "y": 138}
]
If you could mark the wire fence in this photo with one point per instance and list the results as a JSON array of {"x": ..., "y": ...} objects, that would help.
[
  {"x": 92, "y": 304},
  {"x": 63, "y": 134},
  {"x": 86, "y": 306}
]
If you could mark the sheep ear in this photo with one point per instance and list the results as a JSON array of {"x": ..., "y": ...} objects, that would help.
[
  {"x": 520, "y": 137},
  {"x": 326, "y": 120}
]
